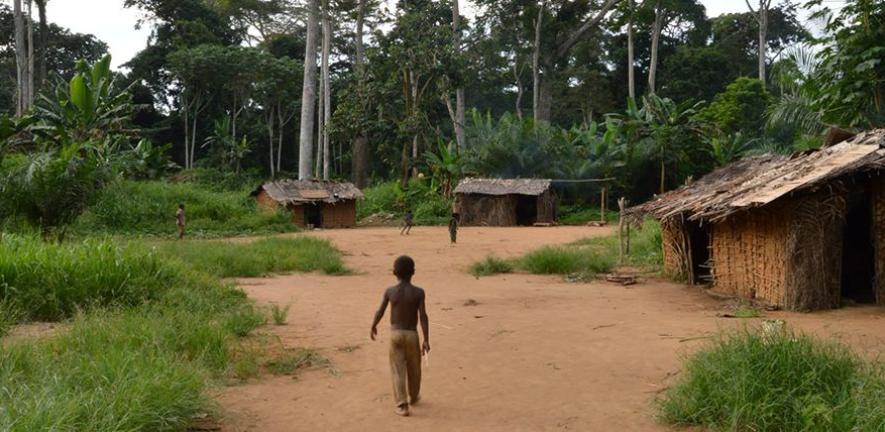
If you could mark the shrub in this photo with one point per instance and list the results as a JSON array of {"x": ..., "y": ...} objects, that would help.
[
  {"x": 776, "y": 382},
  {"x": 490, "y": 266},
  {"x": 148, "y": 208},
  {"x": 257, "y": 258},
  {"x": 428, "y": 205}
]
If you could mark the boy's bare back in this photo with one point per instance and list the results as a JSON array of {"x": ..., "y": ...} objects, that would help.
[{"x": 406, "y": 302}]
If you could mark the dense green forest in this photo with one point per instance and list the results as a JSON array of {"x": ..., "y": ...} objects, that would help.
[{"x": 649, "y": 92}]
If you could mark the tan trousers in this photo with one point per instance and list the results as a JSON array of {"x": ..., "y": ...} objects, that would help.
[{"x": 405, "y": 365}]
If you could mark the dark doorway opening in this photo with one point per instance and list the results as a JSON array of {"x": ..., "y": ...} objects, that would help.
[
  {"x": 858, "y": 265},
  {"x": 313, "y": 215},
  {"x": 699, "y": 251},
  {"x": 526, "y": 210}
]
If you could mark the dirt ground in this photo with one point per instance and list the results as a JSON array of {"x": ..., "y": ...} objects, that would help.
[{"x": 528, "y": 353}]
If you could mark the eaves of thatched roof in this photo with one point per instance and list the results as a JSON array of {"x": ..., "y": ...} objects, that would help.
[
  {"x": 484, "y": 186},
  {"x": 760, "y": 180},
  {"x": 288, "y": 192}
]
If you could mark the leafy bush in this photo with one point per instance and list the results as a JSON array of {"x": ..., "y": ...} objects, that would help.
[
  {"x": 579, "y": 215},
  {"x": 52, "y": 188},
  {"x": 258, "y": 258},
  {"x": 428, "y": 205},
  {"x": 776, "y": 382},
  {"x": 148, "y": 208},
  {"x": 490, "y": 266}
]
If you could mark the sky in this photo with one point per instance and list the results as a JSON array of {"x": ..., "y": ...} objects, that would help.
[{"x": 115, "y": 25}]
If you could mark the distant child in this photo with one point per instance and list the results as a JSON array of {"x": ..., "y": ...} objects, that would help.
[
  {"x": 453, "y": 227},
  {"x": 179, "y": 220},
  {"x": 408, "y": 221},
  {"x": 406, "y": 307}
]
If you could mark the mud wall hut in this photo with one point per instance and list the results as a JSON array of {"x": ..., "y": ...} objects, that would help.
[
  {"x": 505, "y": 202},
  {"x": 801, "y": 232},
  {"x": 318, "y": 204}
]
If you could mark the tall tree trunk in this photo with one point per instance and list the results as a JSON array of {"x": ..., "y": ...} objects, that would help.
[
  {"x": 308, "y": 96},
  {"x": 327, "y": 91},
  {"x": 321, "y": 109},
  {"x": 21, "y": 68},
  {"x": 187, "y": 135},
  {"x": 763, "y": 43},
  {"x": 270, "y": 140},
  {"x": 536, "y": 65},
  {"x": 44, "y": 41},
  {"x": 360, "y": 159},
  {"x": 545, "y": 101},
  {"x": 517, "y": 77},
  {"x": 459, "y": 92},
  {"x": 655, "y": 42},
  {"x": 631, "y": 79},
  {"x": 30, "y": 98},
  {"x": 194, "y": 129}
]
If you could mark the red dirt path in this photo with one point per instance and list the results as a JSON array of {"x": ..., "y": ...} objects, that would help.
[{"x": 535, "y": 354}]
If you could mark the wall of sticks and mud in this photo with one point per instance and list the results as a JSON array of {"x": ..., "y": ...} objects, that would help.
[{"x": 787, "y": 254}]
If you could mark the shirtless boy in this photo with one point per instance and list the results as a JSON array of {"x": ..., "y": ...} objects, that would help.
[{"x": 406, "y": 307}]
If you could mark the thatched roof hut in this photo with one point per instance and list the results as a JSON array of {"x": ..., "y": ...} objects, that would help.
[
  {"x": 506, "y": 202},
  {"x": 801, "y": 232},
  {"x": 313, "y": 203}
]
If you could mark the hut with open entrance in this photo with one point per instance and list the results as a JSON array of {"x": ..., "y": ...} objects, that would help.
[
  {"x": 505, "y": 202},
  {"x": 801, "y": 232},
  {"x": 314, "y": 204}
]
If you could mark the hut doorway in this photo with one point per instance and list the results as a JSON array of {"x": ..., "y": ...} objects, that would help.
[
  {"x": 313, "y": 215},
  {"x": 699, "y": 249},
  {"x": 858, "y": 265},
  {"x": 526, "y": 210}
]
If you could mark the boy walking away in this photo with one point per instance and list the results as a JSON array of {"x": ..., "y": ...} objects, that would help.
[
  {"x": 406, "y": 307},
  {"x": 179, "y": 220},
  {"x": 407, "y": 223},
  {"x": 453, "y": 227}
]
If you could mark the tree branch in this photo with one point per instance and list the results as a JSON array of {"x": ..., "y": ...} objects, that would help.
[{"x": 563, "y": 48}]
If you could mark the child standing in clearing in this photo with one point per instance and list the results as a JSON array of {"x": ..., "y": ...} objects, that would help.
[
  {"x": 179, "y": 221},
  {"x": 406, "y": 307},
  {"x": 453, "y": 227}
]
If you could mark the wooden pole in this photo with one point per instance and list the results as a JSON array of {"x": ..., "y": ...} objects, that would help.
[{"x": 622, "y": 205}]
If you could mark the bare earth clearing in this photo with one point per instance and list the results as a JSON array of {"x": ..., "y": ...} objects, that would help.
[{"x": 534, "y": 354}]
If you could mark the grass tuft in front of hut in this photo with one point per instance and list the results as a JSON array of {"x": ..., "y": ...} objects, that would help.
[
  {"x": 584, "y": 258},
  {"x": 776, "y": 381}
]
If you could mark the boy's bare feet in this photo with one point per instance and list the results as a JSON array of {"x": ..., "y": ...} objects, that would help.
[{"x": 402, "y": 410}]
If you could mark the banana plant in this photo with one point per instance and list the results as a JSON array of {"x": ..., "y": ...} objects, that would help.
[
  {"x": 446, "y": 166},
  {"x": 89, "y": 107}
]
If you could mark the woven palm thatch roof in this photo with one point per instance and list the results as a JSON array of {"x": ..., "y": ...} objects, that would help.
[
  {"x": 288, "y": 192},
  {"x": 760, "y": 180},
  {"x": 483, "y": 186}
]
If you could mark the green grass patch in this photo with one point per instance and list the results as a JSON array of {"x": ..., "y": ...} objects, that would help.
[
  {"x": 584, "y": 258},
  {"x": 256, "y": 258},
  {"x": 779, "y": 381},
  {"x": 567, "y": 260},
  {"x": 580, "y": 215},
  {"x": 147, "y": 208},
  {"x": 428, "y": 205},
  {"x": 491, "y": 265}
]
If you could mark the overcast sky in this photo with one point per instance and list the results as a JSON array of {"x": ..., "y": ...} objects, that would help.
[{"x": 115, "y": 25}]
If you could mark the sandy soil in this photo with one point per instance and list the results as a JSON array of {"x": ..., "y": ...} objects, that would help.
[{"x": 533, "y": 354}]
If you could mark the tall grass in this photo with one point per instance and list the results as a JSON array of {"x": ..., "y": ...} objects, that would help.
[
  {"x": 777, "y": 382},
  {"x": 258, "y": 258},
  {"x": 148, "y": 208},
  {"x": 428, "y": 205},
  {"x": 147, "y": 333},
  {"x": 586, "y": 257}
]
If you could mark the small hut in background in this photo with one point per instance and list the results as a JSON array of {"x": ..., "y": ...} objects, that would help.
[
  {"x": 801, "y": 232},
  {"x": 505, "y": 202},
  {"x": 317, "y": 204}
]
